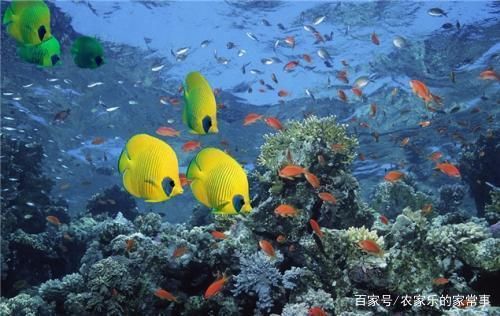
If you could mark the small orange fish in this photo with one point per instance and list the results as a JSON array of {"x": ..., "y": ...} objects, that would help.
[
  {"x": 424, "y": 123},
  {"x": 291, "y": 171},
  {"x": 489, "y": 75},
  {"x": 174, "y": 101},
  {"x": 218, "y": 235},
  {"x": 327, "y": 197},
  {"x": 357, "y": 91},
  {"x": 283, "y": 93},
  {"x": 342, "y": 76},
  {"x": 364, "y": 124},
  {"x": 435, "y": 156},
  {"x": 165, "y": 295},
  {"x": 448, "y": 169},
  {"x": 179, "y": 251},
  {"x": 190, "y": 146},
  {"x": 252, "y": 118},
  {"x": 267, "y": 247},
  {"x": 53, "y": 220},
  {"x": 404, "y": 141},
  {"x": 384, "y": 219},
  {"x": 290, "y": 66},
  {"x": 421, "y": 90},
  {"x": 427, "y": 209},
  {"x": 184, "y": 179},
  {"x": 129, "y": 245},
  {"x": 373, "y": 110},
  {"x": 321, "y": 160},
  {"x": 370, "y": 247},
  {"x": 273, "y": 122},
  {"x": 285, "y": 210},
  {"x": 67, "y": 237},
  {"x": 290, "y": 41},
  {"x": 375, "y": 39},
  {"x": 337, "y": 147},
  {"x": 312, "y": 179},
  {"x": 167, "y": 131},
  {"x": 217, "y": 286},
  {"x": 281, "y": 239},
  {"x": 440, "y": 281},
  {"x": 393, "y": 176},
  {"x": 316, "y": 228},
  {"x": 307, "y": 58},
  {"x": 97, "y": 141},
  {"x": 342, "y": 95},
  {"x": 316, "y": 311}
]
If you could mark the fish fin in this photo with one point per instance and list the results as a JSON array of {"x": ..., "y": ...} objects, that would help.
[
  {"x": 218, "y": 209},
  {"x": 129, "y": 184},
  {"x": 123, "y": 161},
  {"x": 9, "y": 16}
]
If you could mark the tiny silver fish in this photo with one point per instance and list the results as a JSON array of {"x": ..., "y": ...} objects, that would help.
[
  {"x": 157, "y": 68},
  {"x": 256, "y": 72},
  {"x": 8, "y": 118},
  {"x": 252, "y": 36},
  {"x": 8, "y": 93},
  {"x": 7, "y": 128},
  {"x": 399, "y": 41},
  {"x": 241, "y": 52},
  {"x": 27, "y": 85},
  {"x": 112, "y": 109},
  {"x": 205, "y": 43},
  {"x": 310, "y": 28},
  {"x": 95, "y": 84},
  {"x": 30, "y": 203},
  {"x": 182, "y": 51},
  {"x": 52, "y": 79},
  {"x": 267, "y": 61},
  {"x": 309, "y": 93},
  {"x": 133, "y": 102},
  {"x": 323, "y": 54},
  {"x": 436, "y": 12},
  {"x": 319, "y": 19}
]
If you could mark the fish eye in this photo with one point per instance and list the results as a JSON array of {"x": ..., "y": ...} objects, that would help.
[
  {"x": 207, "y": 123},
  {"x": 41, "y": 32},
  {"x": 54, "y": 59},
  {"x": 99, "y": 61},
  {"x": 238, "y": 202},
  {"x": 168, "y": 185}
]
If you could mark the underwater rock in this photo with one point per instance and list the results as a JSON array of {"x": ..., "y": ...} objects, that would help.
[
  {"x": 492, "y": 210},
  {"x": 112, "y": 201},
  {"x": 479, "y": 166},
  {"x": 450, "y": 198},
  {"x": 390, "y": 198}
]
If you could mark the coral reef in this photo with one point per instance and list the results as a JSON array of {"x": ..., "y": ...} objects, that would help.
[
  {"x": 116, "y": 263},
  {"x": 450, "y": 198},
  {"x": 390, "y": 198},
  {"x": 112, "y": 201}
]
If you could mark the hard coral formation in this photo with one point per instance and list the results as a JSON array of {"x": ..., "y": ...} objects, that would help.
[
  {"x": 112, "y": 201},
  {"x": 390, "y": 198}
]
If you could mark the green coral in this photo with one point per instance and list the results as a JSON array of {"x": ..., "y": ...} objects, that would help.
[
  {"x": 25, "y": 305},
  {"x": 389, "y": 198},
  {"x": 305, "y": 140},
  {"x": 453, "y": 239},
  {"x": 492, "y": 210}
]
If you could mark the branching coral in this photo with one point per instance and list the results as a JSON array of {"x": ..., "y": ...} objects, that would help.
[
  {"x": 390, "y": 198},
  {"x": 305, "y": 141}
]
